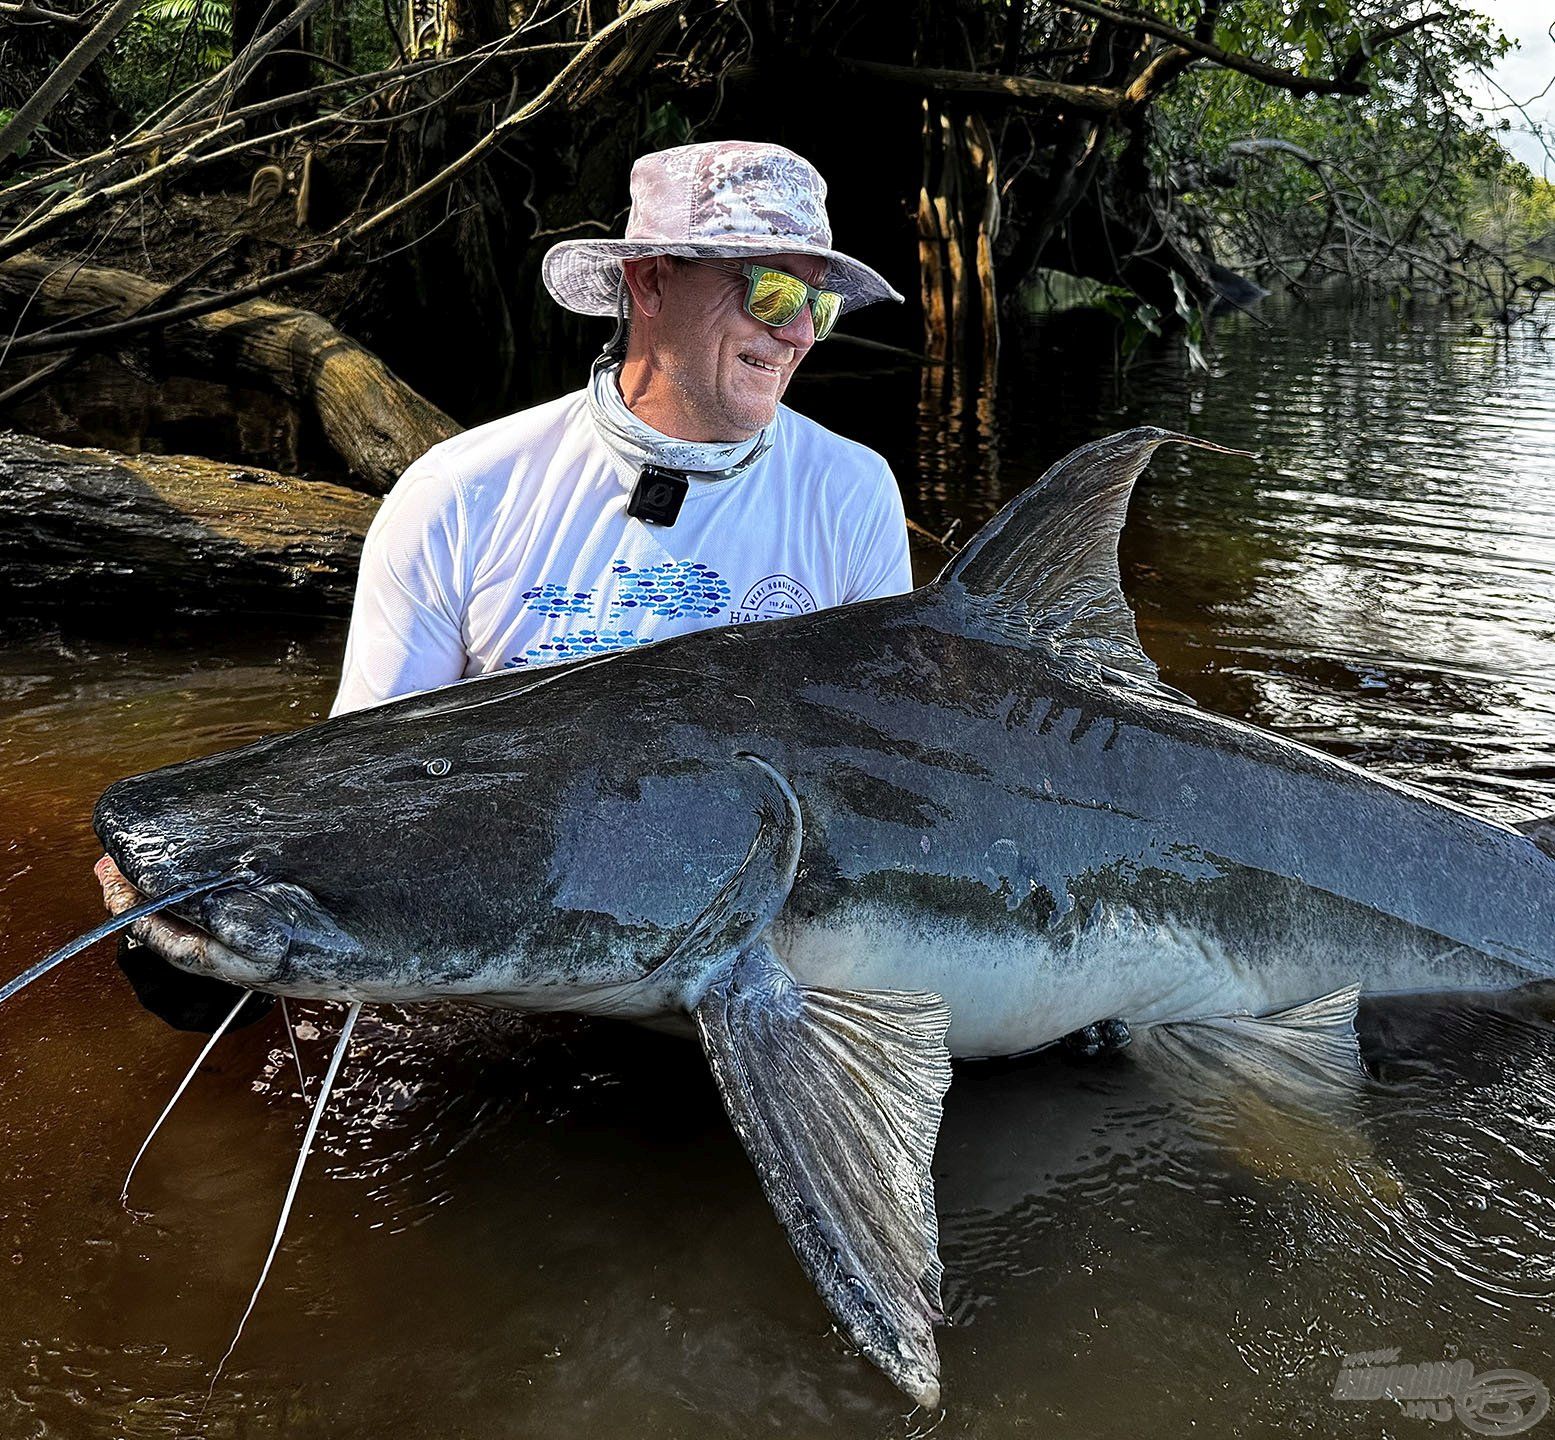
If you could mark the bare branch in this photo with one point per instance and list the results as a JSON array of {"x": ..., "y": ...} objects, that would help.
[
  {"x": 16, "y": 132},
  {"x": 638, "y": 30},
  {"x": 45, "y": 376},
  {"x": 99, "y": 335},
  {"x": 27, "y": 12},
  {"x": 1378, "y": 38},
  {"x": 976, "y": 85},
  {"x": 212, "y": 127},
  {"x": 237, "y": 69},
  {"x": 577, "y": 82},
  {"x": 1162, "y": 68},
  {"x": 1245, "y": 64}
]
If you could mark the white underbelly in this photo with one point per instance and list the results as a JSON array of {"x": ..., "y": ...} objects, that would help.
[{"x": 1014, "y": 992}]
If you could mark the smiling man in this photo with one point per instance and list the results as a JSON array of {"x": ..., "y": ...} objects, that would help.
[{"x": 675, "y": 491}]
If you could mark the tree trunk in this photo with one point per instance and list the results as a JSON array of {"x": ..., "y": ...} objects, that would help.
[
  {"x": 91, "y": 529},
  {"x": 957, "y": 218},
  {"x": 19, "y": 128},
  {"x": 374, "y": 421}
]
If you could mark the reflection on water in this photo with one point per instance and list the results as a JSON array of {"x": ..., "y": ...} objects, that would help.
[
  {"x": 104, "y": 403},
  {"x": 537, "y": 1228},
  {"x": 1379, "y": 582}
]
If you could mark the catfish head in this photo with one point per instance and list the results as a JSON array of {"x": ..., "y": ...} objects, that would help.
[{"x": 488, "y": 842}]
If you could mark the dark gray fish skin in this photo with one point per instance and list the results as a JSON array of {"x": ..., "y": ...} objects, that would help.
[
  {"x": 965, "y": 821},
  {"x": 961, "y": 785}
]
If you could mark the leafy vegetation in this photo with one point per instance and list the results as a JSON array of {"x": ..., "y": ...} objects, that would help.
[
  {"x": 168, "y": 45},
  {"x": 172, "y": 44},
  {"x": 1514, "y": 210},
  {"x": 1373, "y": 187}
]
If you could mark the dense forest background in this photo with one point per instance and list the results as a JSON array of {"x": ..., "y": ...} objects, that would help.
[{"x": 343, "y": 205}]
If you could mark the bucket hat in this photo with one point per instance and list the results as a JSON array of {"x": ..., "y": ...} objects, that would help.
[{"x": 721, "y": 198}]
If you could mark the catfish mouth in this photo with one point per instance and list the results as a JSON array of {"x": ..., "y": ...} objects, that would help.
[{"x": 190, "y": 946}]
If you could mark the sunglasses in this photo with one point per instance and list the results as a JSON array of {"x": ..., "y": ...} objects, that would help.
[{"x": 775, "y": 297}]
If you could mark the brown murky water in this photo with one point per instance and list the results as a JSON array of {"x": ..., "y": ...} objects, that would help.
[{"x": 515, "y": 1228}]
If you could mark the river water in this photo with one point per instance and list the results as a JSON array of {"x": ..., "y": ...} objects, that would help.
[{"x": 523, "y": 1228}]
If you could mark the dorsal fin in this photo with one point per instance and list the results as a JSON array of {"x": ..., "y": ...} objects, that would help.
[{"x": 1046, "y": 566}]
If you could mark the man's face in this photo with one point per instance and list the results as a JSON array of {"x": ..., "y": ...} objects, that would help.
[{"x": 721, "y": 370}]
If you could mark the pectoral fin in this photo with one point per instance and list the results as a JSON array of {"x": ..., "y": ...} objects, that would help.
[{"x": 836, "y": 1095}]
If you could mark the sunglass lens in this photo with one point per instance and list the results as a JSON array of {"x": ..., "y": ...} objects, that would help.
[
  {"x": 775, "y": 298},
  {"x": 824, "y": 312}
]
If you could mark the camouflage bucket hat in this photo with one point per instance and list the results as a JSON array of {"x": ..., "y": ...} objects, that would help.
[{"x": 723, "y": 198}]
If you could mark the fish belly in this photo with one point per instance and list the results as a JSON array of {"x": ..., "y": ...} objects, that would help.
[{"x": 1014, "y": 992}]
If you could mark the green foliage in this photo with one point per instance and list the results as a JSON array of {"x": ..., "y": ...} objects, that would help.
[
  {"x": 172, "y": 44},
  {"x": 1384, "y": 169},
  {"x": 666, "y": 127},
  {"x": 168, "y": 45},
  {"x": 1513, "y": 210},
  {"x": 358, "y": 33},
  {"x": 1139, "y": 320}
]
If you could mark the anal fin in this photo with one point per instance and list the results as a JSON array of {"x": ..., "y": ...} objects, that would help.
[
  {"x": 1277, "y": 1091},
  {"x": 1306, "y": 1049},
  {"x": 836, "y": 1096}
]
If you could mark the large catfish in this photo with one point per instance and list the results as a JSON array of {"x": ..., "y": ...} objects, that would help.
[{"x": 846, "y": 846}]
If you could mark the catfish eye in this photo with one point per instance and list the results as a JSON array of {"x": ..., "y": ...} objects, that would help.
[{"x": 439, "y": 767}]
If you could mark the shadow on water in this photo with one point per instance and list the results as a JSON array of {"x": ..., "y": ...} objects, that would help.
[{"x": 525, "y": 1228}]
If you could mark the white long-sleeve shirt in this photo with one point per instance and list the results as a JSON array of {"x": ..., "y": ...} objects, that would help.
[{"x": 509, "y": 545}]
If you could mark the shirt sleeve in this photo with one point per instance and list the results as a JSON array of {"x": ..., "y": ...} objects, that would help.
[
  {"x": 881, "y": 564},
  {"x": 407, "y": 622}
]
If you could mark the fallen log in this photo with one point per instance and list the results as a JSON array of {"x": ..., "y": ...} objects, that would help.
[
  {"x": 90, "y": 529},
  {"x": 374, "y": 421}
]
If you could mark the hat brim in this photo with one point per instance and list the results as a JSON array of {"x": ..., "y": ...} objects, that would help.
[{"x": 584, "y": 275}]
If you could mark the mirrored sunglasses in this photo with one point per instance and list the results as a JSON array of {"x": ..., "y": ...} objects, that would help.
[{"x": 775, "y": 297}]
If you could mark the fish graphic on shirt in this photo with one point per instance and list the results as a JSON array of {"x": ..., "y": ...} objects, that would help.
[{"x": 676, "y": 590}]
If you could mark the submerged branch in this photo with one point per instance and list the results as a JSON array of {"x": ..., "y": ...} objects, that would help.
[{"x": 1366, "y": 251}]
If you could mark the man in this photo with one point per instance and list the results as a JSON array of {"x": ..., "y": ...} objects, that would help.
[{"x": 672, "y": 493}]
